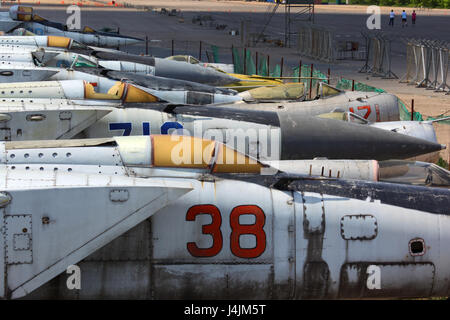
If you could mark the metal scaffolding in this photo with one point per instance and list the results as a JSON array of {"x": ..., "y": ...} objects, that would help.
[
  {"x": 378, "y": 60},
  {"x": 316, "y": 42},
  {"x": 427, "y": 64},
  {"x": 294, "y": 12}
]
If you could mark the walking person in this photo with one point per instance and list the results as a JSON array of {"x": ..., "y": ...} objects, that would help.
[
  {"x": 391, "y": 18},
  {"x": 413, "y": 18},
  {"x": 404, "y": 19}
]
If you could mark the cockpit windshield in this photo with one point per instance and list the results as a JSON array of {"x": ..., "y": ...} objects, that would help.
[{"x": 414, "y": 172}]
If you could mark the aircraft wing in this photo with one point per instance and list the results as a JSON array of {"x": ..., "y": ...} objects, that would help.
[
  {"x": 54, "y": 220},
  {"x": 43, "y": 122}
]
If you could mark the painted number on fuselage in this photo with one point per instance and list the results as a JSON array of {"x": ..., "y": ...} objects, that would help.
[
  {"x": 212, "y": 229},
  {"x": 368, "y": 108},
  {"x": 237, "y": 229},
  {"x": 128, "y": 126}
]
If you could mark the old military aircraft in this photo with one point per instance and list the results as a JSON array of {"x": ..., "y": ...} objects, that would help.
[
  {"x": 20, "y": 16},
  {"x": 170, "y": 217},
  {"x": 419, "y": 129},
  {"x": 133, "y": 111},
  {"x": 34, "y": 52}
]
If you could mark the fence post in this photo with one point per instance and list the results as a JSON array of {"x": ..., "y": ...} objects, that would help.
[
  {"x": 172, "y": 47},
  {"x": 310, "y": 81},
  {"x": 328, "y": 75},
  {"x": 146, "y": 45},
  {"x": 256, "y": 62},
  {"x": 268, "y": 65},
  {"x": 245, "y": 60},
  {"x": 300, "y": 71},
  {"x": 353, "y": 85},
  {"x": 281, "y": 68},
  {"x": 412, "y": 109},
  {"x": 232, "y": 58}
]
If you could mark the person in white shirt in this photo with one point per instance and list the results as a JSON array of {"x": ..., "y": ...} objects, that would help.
[
  {"x": 391, "y": 18},
  {"x": 404, "y": 20}
]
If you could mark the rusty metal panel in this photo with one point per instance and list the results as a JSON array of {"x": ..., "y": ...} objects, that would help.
[
  {"x": 284, "y": 250},
  {"x": 66, "y": 236},
  {"x": 359, "y": 227},
  {"x": 211, "y": 281},
  {"x": 312, "y": 271},
  {"x": 18, "y": 239},
  {"x": 133, "y": 245},
  {"x": 119, "y": 280},
  {"x": 316, "y": 276},
  {"x": 398, "y": 279},
  {"x": 313, "y": 214},
  {"x": 5, "y": 134}
]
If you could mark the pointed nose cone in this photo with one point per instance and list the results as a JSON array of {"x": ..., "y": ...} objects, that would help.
[
  {"x": 311, "y": 137},
  {"x": 131, "y": 41},
  {"x": 192, "y": 72}
]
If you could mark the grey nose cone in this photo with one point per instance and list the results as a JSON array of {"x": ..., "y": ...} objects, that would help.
[
  {"x": 192, "y": 72},
  {"x": 160, "y": 83},
  {"x": 310, "y": 137},
  {"x": 170, "y": 68}
]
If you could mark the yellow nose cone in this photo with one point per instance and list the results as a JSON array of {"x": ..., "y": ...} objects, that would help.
[
  {"x": 191, "y": 152},
  {"x": 57, "y": 41},
  {"x": 134, "y": 94}
]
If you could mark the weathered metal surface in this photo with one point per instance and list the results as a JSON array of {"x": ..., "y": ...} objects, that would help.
[
  {"x": 316, "y": 276},
  {"x": 163, "y": 67},
  {"x": 419, "y": 129},
  {"x": 305, "y": 255},
  {"x": 347, "y": 169},
  {"x": 18, "y": 239},
  {"x": 355, "y": 276},
  {"x": 37, "y": 121},
  {"x": 432, "y": 200},
  {"x": 232, "y": 237},
  {"x": 154, "y": 82},
  {"x": 359, "y": 227},
  {"x": 372, "y": 106},
  {"x": 85, "y": 226}
]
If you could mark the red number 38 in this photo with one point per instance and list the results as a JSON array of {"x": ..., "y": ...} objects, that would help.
[{"x": 237, "y": 229}]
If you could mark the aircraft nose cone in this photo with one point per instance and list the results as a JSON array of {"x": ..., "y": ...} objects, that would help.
[
  {"x": 131, "y": 41},
  {"x": 310, "y": 137}
]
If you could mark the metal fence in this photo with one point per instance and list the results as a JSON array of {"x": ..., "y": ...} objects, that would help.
[
  {"x": 427, "y": 64},
  {"x": 378, "y": 55},
  {"x": 316, "y": 42}
]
